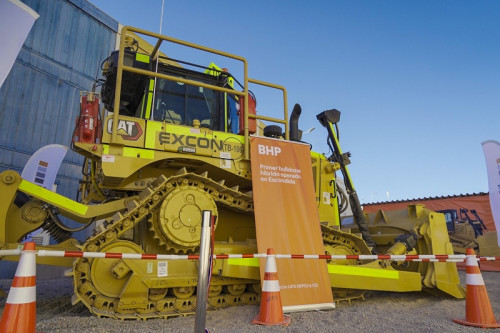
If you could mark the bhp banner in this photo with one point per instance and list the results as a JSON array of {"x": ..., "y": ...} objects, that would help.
[
  {"x": 491, "y": 151},
  {"x": 287, "y": 220}
]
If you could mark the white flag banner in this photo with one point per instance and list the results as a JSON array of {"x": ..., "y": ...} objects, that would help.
[
  {"x": 44, "y": 164},
  {"x": 491, "y": 149},
  {"x": 16, "y": 20}
]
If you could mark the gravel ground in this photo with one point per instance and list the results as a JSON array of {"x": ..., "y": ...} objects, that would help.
[{"x": 380, "y": 312}]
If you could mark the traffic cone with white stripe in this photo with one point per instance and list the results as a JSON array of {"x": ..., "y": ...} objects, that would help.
[
  {"x": 478, "y": 311},
  {"x": 19, "y": 313},
  {"x": 271, "y": 310}
]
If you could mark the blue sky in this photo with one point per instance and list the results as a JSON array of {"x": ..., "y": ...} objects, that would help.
[{"x": 417, "y": 82}]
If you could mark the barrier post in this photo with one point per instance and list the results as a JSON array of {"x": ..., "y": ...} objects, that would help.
[{"x": 203, "y": 276}]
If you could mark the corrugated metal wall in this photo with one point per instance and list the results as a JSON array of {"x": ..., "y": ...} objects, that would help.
[{"x": 39, "y": 100}]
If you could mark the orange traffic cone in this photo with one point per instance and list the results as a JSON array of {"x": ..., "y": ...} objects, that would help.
[
  {"x": 271, "y": 310},
  {"x": 478, "y": 310},
  {"x": 19, "y": 314}
]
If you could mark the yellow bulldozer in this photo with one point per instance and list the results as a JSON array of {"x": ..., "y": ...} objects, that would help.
[{"x": 174, "y": 141}]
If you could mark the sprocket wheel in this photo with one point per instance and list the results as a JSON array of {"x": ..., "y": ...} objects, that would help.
[
  {"x": 108, "y": 275},
  {"x": 177, "y": 223}
]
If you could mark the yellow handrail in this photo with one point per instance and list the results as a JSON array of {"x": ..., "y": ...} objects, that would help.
[
  {"x": 121, "y": 67},
  {"x": 285, "y": 104}
]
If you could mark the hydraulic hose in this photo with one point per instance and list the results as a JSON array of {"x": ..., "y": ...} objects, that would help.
[
  {"x": 359, "y": 218},
  {"x": 328, "y": 119}
]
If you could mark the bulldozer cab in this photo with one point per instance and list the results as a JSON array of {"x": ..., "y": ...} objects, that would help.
[
  {"x": 141, "y": 82},
  {"x": 173, "y": 101}
]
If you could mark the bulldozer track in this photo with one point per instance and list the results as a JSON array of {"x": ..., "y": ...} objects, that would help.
[
  {"x": 159, "y": 303},
  {"x": 137, "y": 211},
  {"x": 339, "y": 242}
]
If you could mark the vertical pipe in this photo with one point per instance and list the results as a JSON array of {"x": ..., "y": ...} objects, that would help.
[
  {"x": 155, "y": 56},
  {"x": 118, "y": 87},
  {"x": 245, "y": 113},
  {"x": 287, "y": 125},
  {"x": 202, "y": 290}
]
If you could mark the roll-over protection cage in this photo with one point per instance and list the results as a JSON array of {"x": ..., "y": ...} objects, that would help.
[{"x": 154, "y": 54}]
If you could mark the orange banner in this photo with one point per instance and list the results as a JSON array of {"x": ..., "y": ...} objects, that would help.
[{"x": 287, "y": 220}]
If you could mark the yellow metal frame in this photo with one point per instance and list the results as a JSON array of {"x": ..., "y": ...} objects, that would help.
[
  {"x": 76, "y": 211},
  {"x": 154, "y": 54}
]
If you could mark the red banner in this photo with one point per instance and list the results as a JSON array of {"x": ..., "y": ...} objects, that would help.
[{"x": 287, "y": 220}]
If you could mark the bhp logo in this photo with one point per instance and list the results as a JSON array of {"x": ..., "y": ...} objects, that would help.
[{"x": 269, "y": 150}]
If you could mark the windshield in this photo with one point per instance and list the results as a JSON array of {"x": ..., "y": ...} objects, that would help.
[{"x": 182, "y": 104}]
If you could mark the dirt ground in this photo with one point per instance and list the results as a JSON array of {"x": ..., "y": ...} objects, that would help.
[{"x": 380, "y": 312}]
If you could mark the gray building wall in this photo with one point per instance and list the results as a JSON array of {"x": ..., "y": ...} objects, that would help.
[{"x": 39, "y": 100}]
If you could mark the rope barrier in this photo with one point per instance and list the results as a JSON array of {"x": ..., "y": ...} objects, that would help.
[
  {"x": 113, "y": 255},
  {"x": 79, "y": 254},
  {"x": 14, "y": 252},
  {"x": 409, "y": 257},
  {"x": 424, "y": 258},
  {"x": 488, "y": 258}
]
